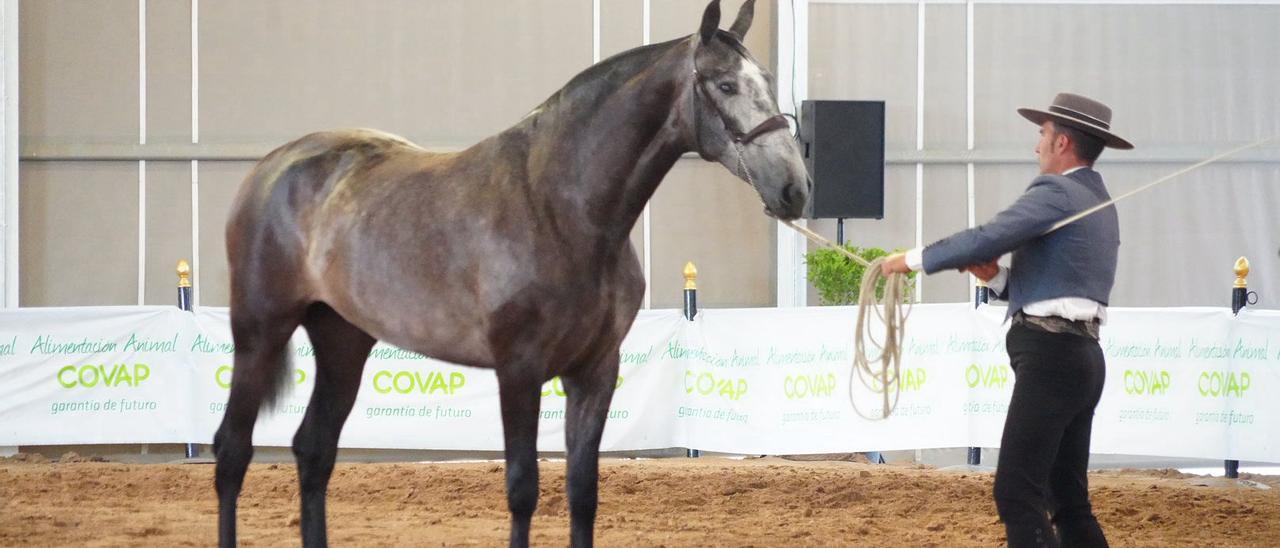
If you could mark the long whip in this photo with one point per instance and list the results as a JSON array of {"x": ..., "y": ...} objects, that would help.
[{"x": 1147, "y": 186}]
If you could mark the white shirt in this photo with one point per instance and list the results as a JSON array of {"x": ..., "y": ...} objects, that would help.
[{"x": 1071, "y": 308}]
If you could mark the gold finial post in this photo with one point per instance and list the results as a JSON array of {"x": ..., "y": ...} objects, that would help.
[
  {"x": 690, "y": 276},
  {"x": 184, "y": 274},
  {"x": 690, "y": 291},
  {"x": 1242, "y": 272}
]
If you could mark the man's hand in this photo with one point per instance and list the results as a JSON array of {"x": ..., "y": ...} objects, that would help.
[
  {"x": 896, "y": 263},
  {"x": 984, "y": 271}
]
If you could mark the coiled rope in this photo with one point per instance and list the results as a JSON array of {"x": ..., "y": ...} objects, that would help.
[{"x": 892, "y": 310}]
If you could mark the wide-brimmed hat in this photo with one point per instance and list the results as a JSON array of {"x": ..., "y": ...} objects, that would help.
[{"x": 1081, "y": 113}]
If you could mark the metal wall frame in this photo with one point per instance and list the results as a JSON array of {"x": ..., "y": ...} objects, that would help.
[{"x": 9, "y": 148}]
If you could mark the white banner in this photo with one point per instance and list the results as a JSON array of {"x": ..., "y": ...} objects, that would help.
[
  {"x": 95, "y": 375},
  {"x": 409, "y": 401},
  {"x": 1185, "y": 382}
]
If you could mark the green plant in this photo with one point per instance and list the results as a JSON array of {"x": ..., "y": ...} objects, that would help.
[{"x": 837, "y": 278}]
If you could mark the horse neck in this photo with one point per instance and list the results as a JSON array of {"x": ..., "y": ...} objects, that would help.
[{"x": 613, "y": 145}]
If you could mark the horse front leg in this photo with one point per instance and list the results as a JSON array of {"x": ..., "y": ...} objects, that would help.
[
  {"x": 588, "y": 394},
  {"x": 521, "y": 399}
]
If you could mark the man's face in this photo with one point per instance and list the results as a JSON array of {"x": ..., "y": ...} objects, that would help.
[{"x": 1049, "y": 149}]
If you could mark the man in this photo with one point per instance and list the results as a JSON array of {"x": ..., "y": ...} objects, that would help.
[{"x": 1058, "y": 286}]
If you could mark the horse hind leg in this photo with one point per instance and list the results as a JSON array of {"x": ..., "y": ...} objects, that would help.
[
  {"x": 261, "y": 345},
  {"x": 588, "y": 392},
  {"x": 341, "y": 350}
]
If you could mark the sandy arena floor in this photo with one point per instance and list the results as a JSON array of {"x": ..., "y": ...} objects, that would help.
[{"x": 670, "y": 502}]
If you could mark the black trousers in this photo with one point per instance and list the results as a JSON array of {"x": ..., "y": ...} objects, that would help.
[{"x": 1041, "y": 486}]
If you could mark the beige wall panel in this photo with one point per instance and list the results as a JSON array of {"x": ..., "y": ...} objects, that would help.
[
  {"x": 678, "y": 18},
  {"x": 1174, "y": 75},
  {"x": 853, "y": 55},
  {"x": 440, "y": 72},
  {"x": 168, "y": 228},
  {"x": 945, "y": 212},
  {"x": 760, "y": 39},
  {"x": 1179, "y": 241},
  {"x": 896, "y": 230},
  {"x": 79, "y": 71},
  {"x": 945, "y": 85},
  {"x": 704, "y": 214},
  {"x": 219, "y": 182},
  {"x": 169, "y": 72},
  {"x": 621, "y": 26},
  {"x": 79, "y": 233}
]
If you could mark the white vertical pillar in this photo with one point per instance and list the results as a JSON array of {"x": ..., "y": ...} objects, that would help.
[
  {"x": 920, "y": 45},
  {"x": 645, "y": 226},
  {"x": 142, "y": 140},
  {"x": 595, "y": 31},
  {"x": 969, "y": 179},
  {"x": 142, "y": 164},
  {"x": 9, "y": 152},
  {"x": 793, "y": 87},
  {"x": 195, "y": 164}
]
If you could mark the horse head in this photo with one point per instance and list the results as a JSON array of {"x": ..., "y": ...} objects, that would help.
[{"x": 735, "y": 118}]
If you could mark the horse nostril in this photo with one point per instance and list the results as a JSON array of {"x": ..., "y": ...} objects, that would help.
[{"x": 794, "y": 194}]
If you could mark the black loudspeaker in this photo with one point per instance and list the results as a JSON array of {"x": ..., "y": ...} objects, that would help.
[{"x": 843, "y": 145}]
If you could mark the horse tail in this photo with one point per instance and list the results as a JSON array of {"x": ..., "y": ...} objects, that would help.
[{"x": 279, "y": 381}]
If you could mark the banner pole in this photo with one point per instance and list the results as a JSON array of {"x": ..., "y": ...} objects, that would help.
[
  {"x": 1239, "y": 299},
  {"x": 184, "y": 303},
  {"x": 691, "y": 311}
]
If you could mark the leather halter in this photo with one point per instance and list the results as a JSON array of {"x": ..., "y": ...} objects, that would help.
[{"x": 739, "y": 138}]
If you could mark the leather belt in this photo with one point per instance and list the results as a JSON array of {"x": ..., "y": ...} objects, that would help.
[{"x": 1056, "y": 324}]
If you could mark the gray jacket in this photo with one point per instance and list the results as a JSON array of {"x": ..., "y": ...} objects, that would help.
[{"x": 1078, "y": 260}]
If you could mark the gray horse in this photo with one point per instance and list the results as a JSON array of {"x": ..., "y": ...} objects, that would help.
[{"x": 511, "y": 255}]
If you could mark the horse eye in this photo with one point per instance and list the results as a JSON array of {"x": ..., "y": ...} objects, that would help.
[{"x": 728, "y": 88}]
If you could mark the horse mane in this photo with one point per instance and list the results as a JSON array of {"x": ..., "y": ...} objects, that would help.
[
  {"x": 607, "y": 75},
  {"x": 614, "y": 71}
]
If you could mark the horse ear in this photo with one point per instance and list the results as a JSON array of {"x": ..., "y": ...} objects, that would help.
[
  {"x": 743, "y": 22},
  {"x": 710, "y": 22}
]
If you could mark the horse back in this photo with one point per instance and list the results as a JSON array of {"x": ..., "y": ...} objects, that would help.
[{"x": 271, "y": 218}]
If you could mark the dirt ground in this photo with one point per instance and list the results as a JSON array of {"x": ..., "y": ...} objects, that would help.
[{"x": 666, "y": 502}]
